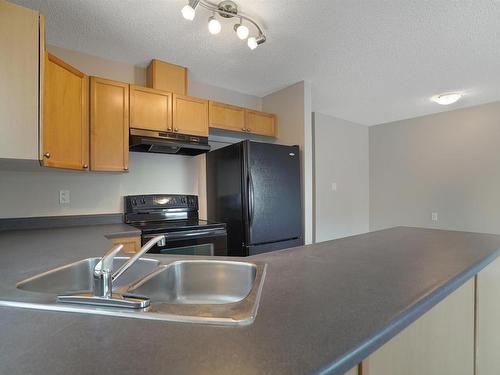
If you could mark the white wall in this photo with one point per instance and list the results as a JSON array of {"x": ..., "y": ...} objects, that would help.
[
  {"x": 447, "y": 163},
  {"x": 34, "y": 191},
  {"x": 293, "y": 108},
  {"x": 340, "y": 157}
]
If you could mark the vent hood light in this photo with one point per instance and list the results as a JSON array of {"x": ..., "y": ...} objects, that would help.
[{"x": 447, "y": 98}]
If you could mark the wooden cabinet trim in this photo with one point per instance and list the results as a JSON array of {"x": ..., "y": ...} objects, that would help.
[
  {"x": 63, "y": 64},
  {"x": 93, "y": 136}
]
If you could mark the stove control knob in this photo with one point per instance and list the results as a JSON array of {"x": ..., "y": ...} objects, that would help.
[
  {"x": 143, "y": 201},
  {"x": 134, "y": 202}
]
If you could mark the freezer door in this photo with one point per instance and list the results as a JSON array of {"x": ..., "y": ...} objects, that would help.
[{"x": 273, "y": 192}]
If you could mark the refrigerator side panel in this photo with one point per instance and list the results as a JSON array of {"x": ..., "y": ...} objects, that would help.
[{"x": 224, "y": 194}]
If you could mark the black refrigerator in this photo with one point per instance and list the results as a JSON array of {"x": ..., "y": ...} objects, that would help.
[{"x": 254, "y": 188}]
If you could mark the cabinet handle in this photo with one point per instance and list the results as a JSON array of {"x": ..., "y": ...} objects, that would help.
[
  {"x": 46, "y": 155},
  {"x": 125, "y": 169},
  {"x": 169, "y": 129},
  {"x": 176, "y": 129},
  {"x": 248, "y": 129},
  {"x": 85, "y": 166},
  {"x": 244, "y": 129}
]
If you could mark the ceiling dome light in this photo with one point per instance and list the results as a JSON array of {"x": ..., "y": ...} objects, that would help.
[
  {"x": 447, "y": 98},
  {"x": 188, "y": 12},
  {"x": 214, "y": 26},
  {"x": 242, "y": 31}
]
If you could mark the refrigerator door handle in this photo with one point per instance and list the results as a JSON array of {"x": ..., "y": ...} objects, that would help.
[{"x": 250, "y": 198}]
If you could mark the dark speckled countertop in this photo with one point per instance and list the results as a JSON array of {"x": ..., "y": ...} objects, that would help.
[{"x": 324, "y": 307}]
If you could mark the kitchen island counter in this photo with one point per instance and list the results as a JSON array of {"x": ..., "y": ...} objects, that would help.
[{"x": 324, "y": 307}]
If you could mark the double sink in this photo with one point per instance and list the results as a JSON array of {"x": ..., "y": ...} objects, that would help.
[{"x": 193, "y": 291}]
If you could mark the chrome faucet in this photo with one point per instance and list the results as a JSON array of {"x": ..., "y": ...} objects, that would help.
[{"x": 103, "y": 281}]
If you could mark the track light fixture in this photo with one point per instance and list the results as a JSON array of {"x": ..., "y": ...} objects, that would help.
[{"x": 226, "y": 9}]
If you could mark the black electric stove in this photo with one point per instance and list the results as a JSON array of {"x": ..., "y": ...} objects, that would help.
[{"x": 176, "y": 217}]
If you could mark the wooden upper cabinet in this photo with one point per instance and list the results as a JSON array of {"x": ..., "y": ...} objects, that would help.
[
  {"x": 150, "y": 109},
  {"x": 21, "y": 37},
  {"x": 225, "y": 116},
  {"x": 109, "y": 119},
  {"x": 167, "y": 77},
  {"x": 190, "y": 115},
  {"x": 65, "y": 116},
  {"x": 260, "y": 123}
]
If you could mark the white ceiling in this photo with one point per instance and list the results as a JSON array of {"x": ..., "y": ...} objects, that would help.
[{"x": 369, "y": 61}]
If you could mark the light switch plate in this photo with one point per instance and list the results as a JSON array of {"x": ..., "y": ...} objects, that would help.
[
  {"x": 64, "y": 197},
  {"x": 434, "y": 216}
]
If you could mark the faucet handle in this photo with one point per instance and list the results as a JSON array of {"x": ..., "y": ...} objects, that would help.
[{"x": 105, "y": 265}]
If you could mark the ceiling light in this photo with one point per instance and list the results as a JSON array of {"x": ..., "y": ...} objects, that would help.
[
  {"x": 214, "y": 25},
  {"x": 226, "y": 9},
  {"x": 241, "y": 30},
  {"x": 253, "y": 42},
  {"x": 447, "y": 98},
  {"x": 188, "y": 12}
]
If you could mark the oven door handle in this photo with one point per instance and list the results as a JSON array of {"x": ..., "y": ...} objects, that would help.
[{"x": 190, "y": 234}]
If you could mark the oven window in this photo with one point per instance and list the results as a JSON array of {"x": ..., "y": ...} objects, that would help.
[{"x": 206, "y": 249}]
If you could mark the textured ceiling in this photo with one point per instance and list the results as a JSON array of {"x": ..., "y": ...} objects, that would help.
[{"x": 369, "y": 61}]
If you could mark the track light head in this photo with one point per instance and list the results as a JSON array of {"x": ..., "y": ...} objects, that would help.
[{"x": 188, "y": 12}]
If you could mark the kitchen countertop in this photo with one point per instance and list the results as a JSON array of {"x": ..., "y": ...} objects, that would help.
[{"x": 324, "y": 307}]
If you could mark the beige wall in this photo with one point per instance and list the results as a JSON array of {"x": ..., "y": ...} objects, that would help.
[
  {"x": 341, "y": 158},
  {"x": 34, "y": 191},
  {"x": 293, "y": 108},
  {"x": 447, "y": 163}
]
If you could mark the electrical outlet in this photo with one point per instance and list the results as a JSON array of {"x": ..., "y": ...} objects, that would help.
[
  {"x": 63, "y": 196},
  {"x": 434, "y": 216},
  {"x": 334, "y": 186}
]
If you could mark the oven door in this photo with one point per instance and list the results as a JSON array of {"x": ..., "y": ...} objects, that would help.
[{"x": 194, "y": 242}]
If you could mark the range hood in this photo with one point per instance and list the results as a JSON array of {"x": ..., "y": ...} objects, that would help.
[{"x": 167, "y": 143}]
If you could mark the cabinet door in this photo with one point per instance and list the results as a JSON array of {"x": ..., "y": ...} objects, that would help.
[
  {"x": 488, "y": 319},
  {"x": 260, "y": 123},
  {"x": 167, "y": 77},
  {"x": 190, "y": 115},
  {"x": 225, "y": 116},
  {"x": 130, "y": 244},
  {"x": 65, "y": 116},
  {"x": 441, "y": 342},
  {"x": 109, "y": 117},
  {"x": 19, "y": 81},
  {"x": 150, "y": 109}
]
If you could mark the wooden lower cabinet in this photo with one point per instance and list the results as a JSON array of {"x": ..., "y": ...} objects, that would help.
[
  {"x": 488, "y": 320},
  {"x": 109, "y": 125},
  {"x": 260, "y": 123},
  {"x": 130, "y": 244},
  {"x": 65, "y": 141},
  {"x": 441, "y": 342},
  {"x": 190, "y": 115}
]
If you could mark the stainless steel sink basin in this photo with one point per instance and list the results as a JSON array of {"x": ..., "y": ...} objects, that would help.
[
  {"x": 198, "y": 282},
  {"x": 193, "y": 291},
  {"x": 77, "y": 277}
]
